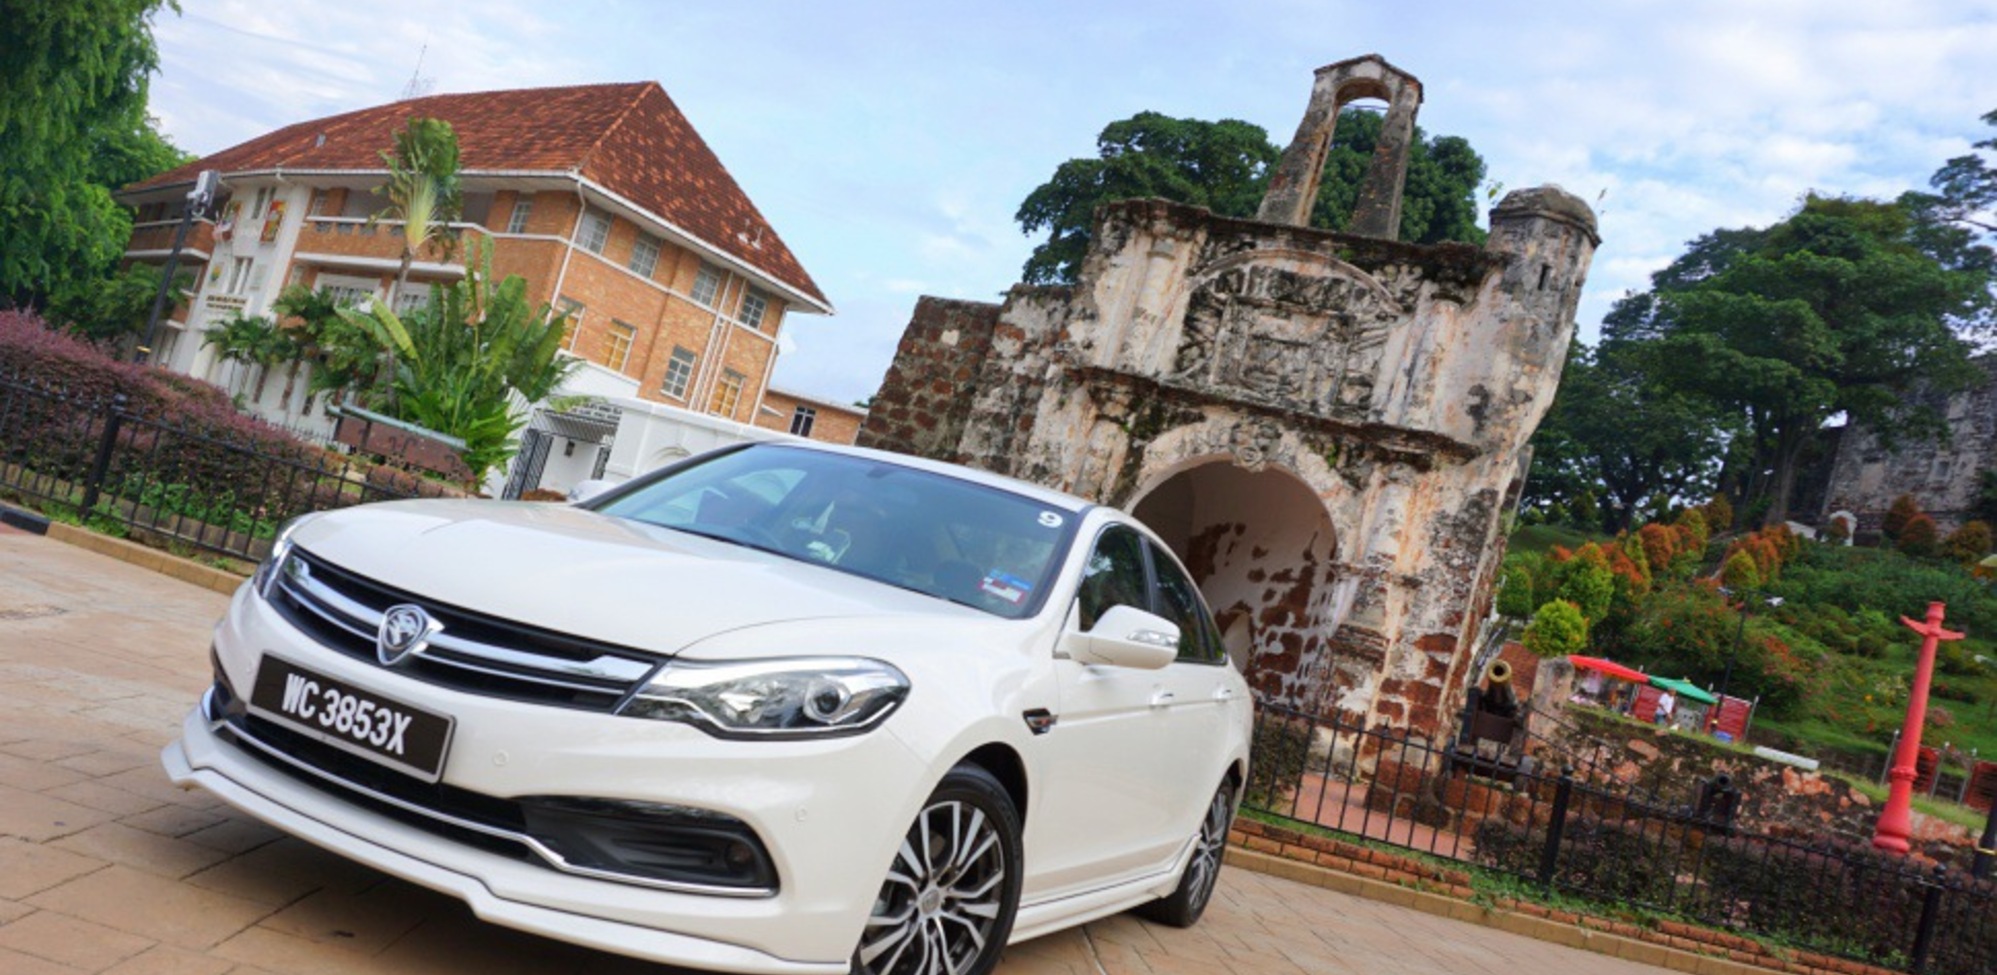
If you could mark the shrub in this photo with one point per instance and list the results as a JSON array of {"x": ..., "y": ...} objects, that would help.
[
  {"x": 1919, "y": 537},
  {"x": 1277, "y": 757},
  {"x": 1587, "y": 581},
  {"x": 1968, "y": 543},
  {"x": 1660, "y": 546},
  {"x": 1740, "y": 573},
  {"x": 1902, "y": 510},
  {"x": 1719, "y": 514},
  {"x": 1556, "y": 630}
]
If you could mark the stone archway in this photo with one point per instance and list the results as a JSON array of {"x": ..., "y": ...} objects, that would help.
[{"x": 1263, "y": 549}]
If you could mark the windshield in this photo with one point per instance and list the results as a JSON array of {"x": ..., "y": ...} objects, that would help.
[{"x": 979, "y": 546}]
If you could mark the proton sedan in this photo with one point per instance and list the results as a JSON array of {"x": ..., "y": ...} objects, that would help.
[{"x": 778, "y": 708}]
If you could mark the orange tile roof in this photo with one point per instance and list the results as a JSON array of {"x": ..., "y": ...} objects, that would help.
[{"x": 628, "y": 138}]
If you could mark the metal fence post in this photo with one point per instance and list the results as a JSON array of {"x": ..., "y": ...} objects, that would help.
[
  {"x": 1931, "y": 909},
  {"x": 1556, "y": 825},
  {"x": 93, "y": 483}
]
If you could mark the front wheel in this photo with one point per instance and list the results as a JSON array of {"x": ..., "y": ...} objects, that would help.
[
  {"x": 1184, "y": 905},
  {"x": 947, "y": 904}
]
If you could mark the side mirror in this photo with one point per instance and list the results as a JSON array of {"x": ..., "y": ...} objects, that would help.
[
  {"x": 589, "y": 489},
  {"x": 1126, "y": 636}
]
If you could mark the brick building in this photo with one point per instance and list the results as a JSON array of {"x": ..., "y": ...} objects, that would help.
[
  {"x": 602, "y": 196},
  {"x": 810, "y": 416}
]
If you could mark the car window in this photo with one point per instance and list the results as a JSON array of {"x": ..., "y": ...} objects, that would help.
[
  {"x": 1113, "y": 576},
  {"x": 1180, "y": 602},
  {"x": 954, "y": 539}
]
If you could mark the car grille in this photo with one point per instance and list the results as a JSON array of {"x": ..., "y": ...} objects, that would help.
[{"x": 472, "y": 652}]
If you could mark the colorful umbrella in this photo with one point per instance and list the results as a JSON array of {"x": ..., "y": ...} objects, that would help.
[
  {"x": 1609, "y": 667},
  {"x": 1685, "y": 690}
]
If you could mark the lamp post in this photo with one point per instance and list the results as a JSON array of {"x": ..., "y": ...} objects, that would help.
[
  {"x": 1740, "y": 637},
  {"x": 1895, "y": 821},
  {"x": 197, "y": 202}
]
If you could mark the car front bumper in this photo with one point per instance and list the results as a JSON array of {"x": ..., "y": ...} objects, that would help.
[{"x": 829, "y": 812}]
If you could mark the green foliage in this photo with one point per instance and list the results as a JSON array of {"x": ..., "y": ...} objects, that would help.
[
  {"x": 1515, "y": 595},
  {"x": 73, "y": 121},
  {"x": 345, "y": 357},
  {"x": 1902, "y": 510},
  {"x": 1224, "y": 166},
  {"x": 1556, "y": 630},
  {"x": 1586, "y": 582},
  {"x": 423, "y": 188},
  {"x": 462, "y": 360},
  {"x": 1919, "y": 537},
  {"x": 112, "y": 309},
  {"x": 1969, "y": 543},
  {"x": 1277, "y": 756},
  {"x": 1740, "y": 573}
]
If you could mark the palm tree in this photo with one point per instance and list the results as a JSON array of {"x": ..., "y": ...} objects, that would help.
[
  {"x": 423, "y": 192},
  {"x": 241, "y": 339}
]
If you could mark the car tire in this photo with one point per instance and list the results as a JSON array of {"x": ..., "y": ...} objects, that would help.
[
  {"x": 1184, "y": 905},
  {"x": 947, "y": 903}
]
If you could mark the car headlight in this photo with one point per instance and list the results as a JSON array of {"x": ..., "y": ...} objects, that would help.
[
  {"x": 803, "y": 697},
  {"x": 280, "y": 549}
]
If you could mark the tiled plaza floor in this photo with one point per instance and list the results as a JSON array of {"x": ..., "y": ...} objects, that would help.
[{"x": 105, "y": 867}]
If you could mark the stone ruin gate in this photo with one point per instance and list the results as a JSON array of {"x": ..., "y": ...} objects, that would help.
[{"x": 1326, "y": 427}]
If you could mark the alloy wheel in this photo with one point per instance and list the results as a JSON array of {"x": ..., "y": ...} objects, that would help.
[
  {"x": 942, "y": 901},
  {"x": 1205, "y": 866}
]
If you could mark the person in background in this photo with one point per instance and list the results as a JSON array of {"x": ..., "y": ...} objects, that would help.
[{"x": 1666, "y": 704}]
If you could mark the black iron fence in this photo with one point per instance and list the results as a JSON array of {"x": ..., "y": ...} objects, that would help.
[
  {"x": 97, "y": 462},
  {"x": 1615, "y": 844}
]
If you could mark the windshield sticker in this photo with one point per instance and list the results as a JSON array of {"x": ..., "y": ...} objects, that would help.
[
  {"x": 1050, "y": 519},
  {"x": 1006, "y": 586}
]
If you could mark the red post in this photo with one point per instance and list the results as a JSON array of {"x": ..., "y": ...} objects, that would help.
[{"x": 1895, "y": 822}]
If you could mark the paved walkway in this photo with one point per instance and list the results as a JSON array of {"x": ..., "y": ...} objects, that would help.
[{"x": 104, "y": 867}]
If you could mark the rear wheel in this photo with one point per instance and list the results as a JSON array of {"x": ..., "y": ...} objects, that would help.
[
  {"x": 1184, "y": 905},
  {"x": 947, "y": 904}
]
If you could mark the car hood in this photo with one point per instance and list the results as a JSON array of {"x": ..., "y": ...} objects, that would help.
[{"x": 592, "y": 575}]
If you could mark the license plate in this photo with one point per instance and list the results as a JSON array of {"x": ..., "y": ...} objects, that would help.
[{"x": 354, "y": 720}]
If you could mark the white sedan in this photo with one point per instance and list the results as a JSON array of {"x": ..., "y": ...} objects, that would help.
[{"x": 779, "y": 708}]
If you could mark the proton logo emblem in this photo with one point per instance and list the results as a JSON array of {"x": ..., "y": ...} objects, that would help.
[{"x": 405, "y": 629}]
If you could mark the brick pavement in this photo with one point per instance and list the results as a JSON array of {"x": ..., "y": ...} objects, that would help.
[{"x": 105, "y": 867}]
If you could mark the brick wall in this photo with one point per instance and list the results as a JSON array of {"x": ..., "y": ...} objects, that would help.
[
  {"x": 835, "y": 423},
  {"x": 927, "y": 392}
]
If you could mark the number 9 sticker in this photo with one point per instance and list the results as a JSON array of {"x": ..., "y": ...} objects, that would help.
[{"x": 1050, "y": 520}]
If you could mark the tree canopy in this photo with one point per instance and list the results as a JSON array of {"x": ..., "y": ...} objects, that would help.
[
  {"x": 74, "y": 124},
  {"x": 1224, "y": 166}
]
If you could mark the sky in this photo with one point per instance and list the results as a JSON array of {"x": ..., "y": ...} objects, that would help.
[{"x": 890, "y": 143}]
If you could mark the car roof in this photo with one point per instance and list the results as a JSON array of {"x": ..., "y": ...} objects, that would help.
[{"x": 1035, "y": 492}]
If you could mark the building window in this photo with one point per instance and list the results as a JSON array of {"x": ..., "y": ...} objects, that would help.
[
  {"x": 679, "y": 373},
  {"x": 239, "y": 275},
  {"x": 801, "y": 421},
  {"x": 645, "y": 255},
  {"x": 574, "y": 310},
  {"x": 412, "y": 297},
  {"x": 727, "y": 394},
  {"x": 262, "y": 203},
  {"x": 346, "y": 295},
  {"x": 522, "y": 209},
  {"x": 754, "y": 307},
  {"x": 595, "y": 231},
  {"x": 617, "y": 345},
  {"x": 318, "y": 204},
  {"x": 707, "y": 284}
]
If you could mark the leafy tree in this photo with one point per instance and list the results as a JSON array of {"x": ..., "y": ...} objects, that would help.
[
  {"x": 1740, "y": 573},
  {"x": 344, "y": 357},
  {"x": 1586, "y": 581},
  {"x": 1835, "y": 310},
  {"x": 1969, "y": 543},
  {"x": 1224, "y": 166},
  {"x": 73, "y": 121},
  {"x": 467, "y": 361},
  {"x": 1959, "y": 214},
  {"x": 1616, "y": 430},
  {"x": 112, "y": 310},
  {"x": 1556, "y": 630},
  {"x": 253, "y": 340},
  {"x": 423, "y": 192},
  {"x": 1898, "y": 514},
  {"x": 1919, "y": 537}
]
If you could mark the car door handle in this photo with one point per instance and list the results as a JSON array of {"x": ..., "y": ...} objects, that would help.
[
  {"x": 1163, "y": 699},
  {"x": 1223, "y": 693}
]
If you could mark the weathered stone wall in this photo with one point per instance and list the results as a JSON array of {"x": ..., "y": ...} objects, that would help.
[
  {"x": 921, "y": 405},
  {"x": 1944, "y": 477},
  {"x": 1391, "y": 386}
]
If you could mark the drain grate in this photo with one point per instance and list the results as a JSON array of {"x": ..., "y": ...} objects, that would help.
[{"x": 9, "y": 614}]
